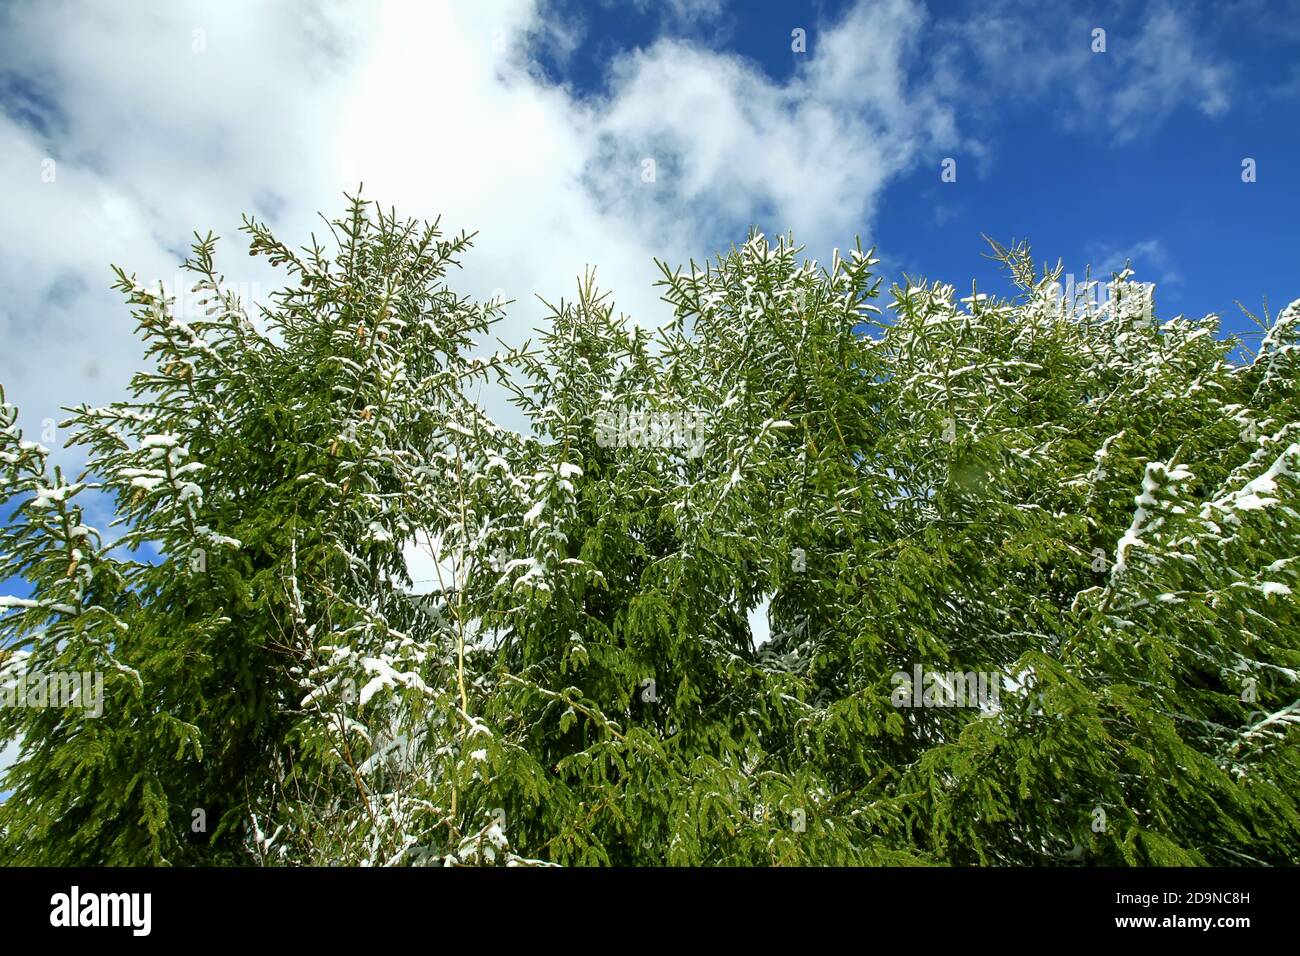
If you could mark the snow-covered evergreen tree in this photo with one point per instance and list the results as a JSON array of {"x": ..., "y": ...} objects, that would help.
[{"x": 1098, "y": 508}]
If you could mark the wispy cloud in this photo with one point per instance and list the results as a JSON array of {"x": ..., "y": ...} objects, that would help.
[
  {"x": 1154, "y": 62},
  {"x": 1149, "y": 259}
]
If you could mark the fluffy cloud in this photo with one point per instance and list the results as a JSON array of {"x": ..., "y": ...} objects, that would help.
[
  {"x": 166, "y": 118},
  {"x": 731, "y": 146}
]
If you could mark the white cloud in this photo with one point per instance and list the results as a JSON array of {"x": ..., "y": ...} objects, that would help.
[
  {"x": 1151, "y": 66},
  {"x": 437, "y": 110},
  {"x": 760, "y": 627},
  {"x": 684, "y": 11},
  {"x": 430, "y": 571},
  {"x": 9, "y": 753},
  {"x": 1165, "y": 68},
  {"x": 1149, "y": 259},
  {"x": 731, "y": 146}
]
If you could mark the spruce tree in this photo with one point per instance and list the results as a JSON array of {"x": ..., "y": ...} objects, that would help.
[{"x": 1093, "y": 506}]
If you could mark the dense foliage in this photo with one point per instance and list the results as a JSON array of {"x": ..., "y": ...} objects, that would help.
[{"x": 1096, "y": 507}]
